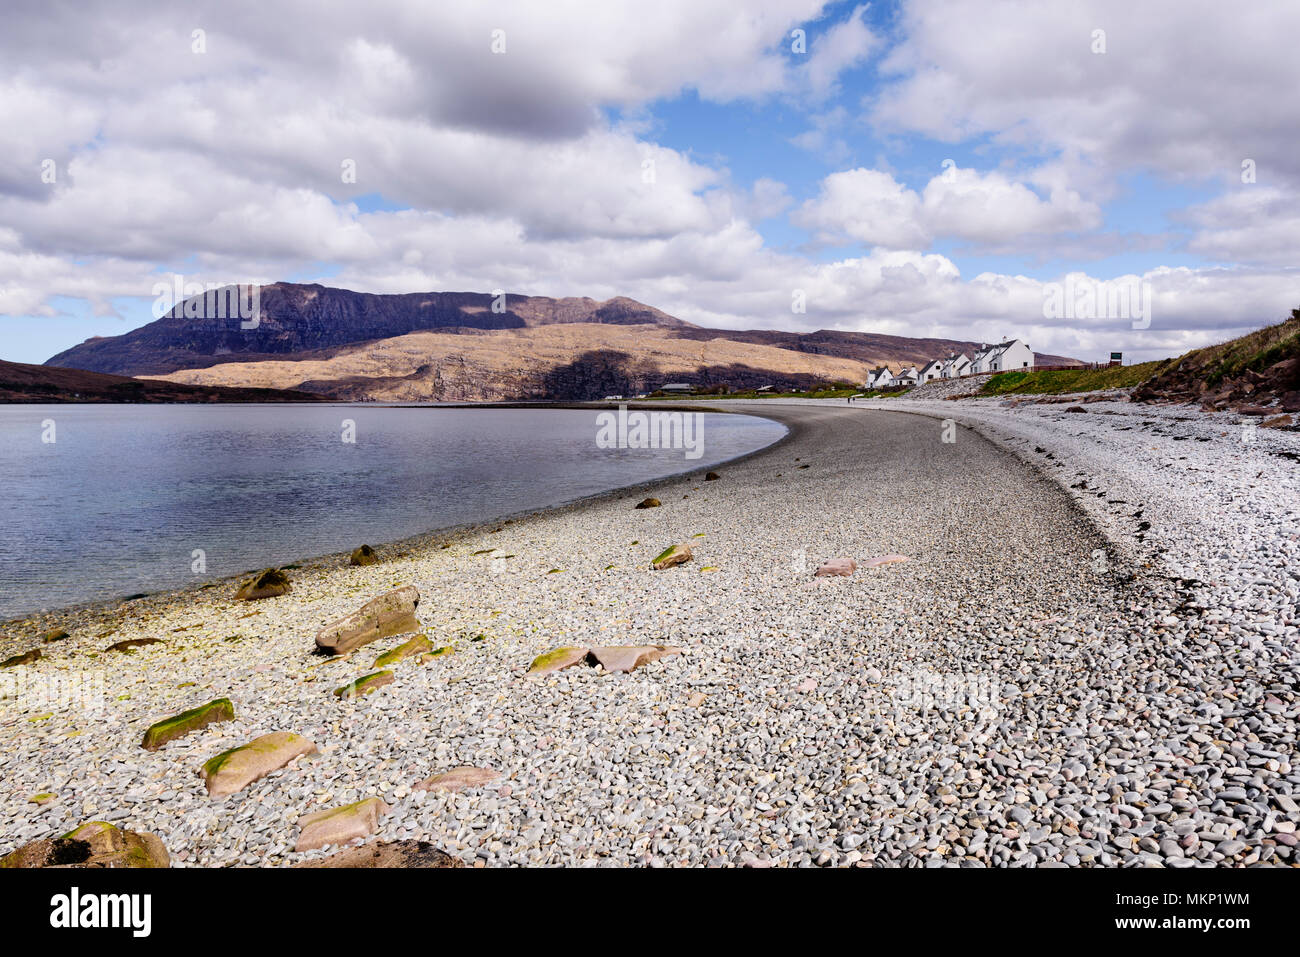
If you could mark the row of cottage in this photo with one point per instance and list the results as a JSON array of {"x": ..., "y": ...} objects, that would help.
[{"x": 1002, "y": 357}]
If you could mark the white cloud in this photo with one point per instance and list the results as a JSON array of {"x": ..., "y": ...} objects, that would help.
[{"x": 872, "y": 207}]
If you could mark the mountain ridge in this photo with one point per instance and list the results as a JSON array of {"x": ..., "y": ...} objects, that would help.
[{"x": 454, "y": 346}]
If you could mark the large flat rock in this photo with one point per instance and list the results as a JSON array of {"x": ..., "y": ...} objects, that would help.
[
  {"x": 239, "y": 767},
  {"x": 407, "y": 854},
  {"x": 338, "y": 825},
  {"x": 392, "y": 613}
]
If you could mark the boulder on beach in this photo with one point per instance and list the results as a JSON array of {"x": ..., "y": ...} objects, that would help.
[
  {"x": 417, "y": 645},
  {"x": 54, "y": 634},
  {"x": 26, "y": 658},
  {"x": 392, "y": 613},
  {"x": 268, "y": 584},
  {"x": 884, "y": 560},
  {"x": 648, "y": 503},
  {"x": 672, "y": 555},
  {"x": 367, "y": 684},
  {"x": 558, "y": 659},
  {"x": 457, "y": 779},
  {"x": 404, "y": 854},
  {"x": 365, "y": 555},
  {"x": 187, "y": 722},
  {"x": 837, "y": 566},
  {"x": 93, "y": 844},
  {"x": 130, "y": 644},
  {"x": 625, "y": 658},
  {"x": 239, "y": 767},
  {"x": 712, "y": 477},
  {"x": 338, "y": 825}
]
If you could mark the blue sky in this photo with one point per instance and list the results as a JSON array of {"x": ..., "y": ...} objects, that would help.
[{"x": 821, "y": 171}]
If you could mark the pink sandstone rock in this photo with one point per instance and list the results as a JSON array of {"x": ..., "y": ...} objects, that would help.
[
  {"x": 338, "y": 825},
  {"x": 457, "y": 779}
]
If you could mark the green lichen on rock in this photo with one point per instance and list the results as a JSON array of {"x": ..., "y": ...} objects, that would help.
[
  {"x": 415, "y": 646},
  {"x": 267, "y": 584},
  {"x": 557, "y": 659},
  {"x": 131, "y": 644},
  {"x": 169, "y": 729},
  {"x": 232, "y": 770},
  {"x": 43, "y": 798},
  {"x": 672, "y": 555},
  {"x": 26, "y": 658},
  {"x": 364, "y": 685},
  {"x": 364, "y": 555}
]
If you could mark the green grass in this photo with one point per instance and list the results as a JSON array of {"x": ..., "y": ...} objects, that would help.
[
  {"x": 1059, "y": 381},
  {"x": 833, "y": 390}
]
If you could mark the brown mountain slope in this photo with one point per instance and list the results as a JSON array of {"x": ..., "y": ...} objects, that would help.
[
  {"x": 303, "y": 318},
  {"x": 577, "y": 361},
  {"x": 20, "y": 382}
]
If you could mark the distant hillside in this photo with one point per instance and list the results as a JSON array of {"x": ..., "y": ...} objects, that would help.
[
  {"x": 452, "y": 346},
  {"x": 307, "y": 318},
  {"x": 1259, "y": 370},
  {"x": 20, "y": 382}
]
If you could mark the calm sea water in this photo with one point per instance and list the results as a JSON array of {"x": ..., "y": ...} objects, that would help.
[{"x": 120, "y": 500}]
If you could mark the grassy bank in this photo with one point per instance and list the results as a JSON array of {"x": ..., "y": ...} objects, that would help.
[{"x": 1058, "y": 381}]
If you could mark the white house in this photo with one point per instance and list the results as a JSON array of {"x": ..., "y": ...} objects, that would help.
[
  {"x": 955, "y": 367},
  {"x": 880, "y": 378},
  {"x": 930, "y": 371},
  {"x": 908, "y": 377},
  {"x": 979, "y": 362},
  {"x": 1009, "y": 355}
]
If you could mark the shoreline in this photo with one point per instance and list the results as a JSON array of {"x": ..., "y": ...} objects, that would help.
[
  {"x": 435, "y": 536},
  {"x": 979, "y": 705}
]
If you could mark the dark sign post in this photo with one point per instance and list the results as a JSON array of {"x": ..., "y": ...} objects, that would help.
[{"x": 1117, "y": 358}]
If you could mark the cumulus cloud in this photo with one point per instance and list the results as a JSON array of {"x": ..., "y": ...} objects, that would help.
[{"x": 872, "y": 207}]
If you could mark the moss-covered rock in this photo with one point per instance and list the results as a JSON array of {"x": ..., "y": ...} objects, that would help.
[
  {"x": 338, "y": 825},
  {"x": 169, "y": 729},
  {"x": 364, "y": 555},
  {"x": 233, "y": 770},
  {"x": 429, "y": 656},
  {"x": 648, "y": 503},
  {"x": 417, "y": 645},
  {"x": 45, "y": 797},
  {"x": 26, "y": 658},
  {"x": 558, "y": 659},
  {"x": 364, "y": 685},
  {"x": 54, "y": 634},
  {"x": 132, "y": 643},
  {"x": 269, "y": 584},
  {"x": 672, "y": 555},
  {"x": 93, "y": 844}
]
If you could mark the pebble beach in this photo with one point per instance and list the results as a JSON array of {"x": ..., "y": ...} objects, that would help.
[{"x": 1087, "y": 658}]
